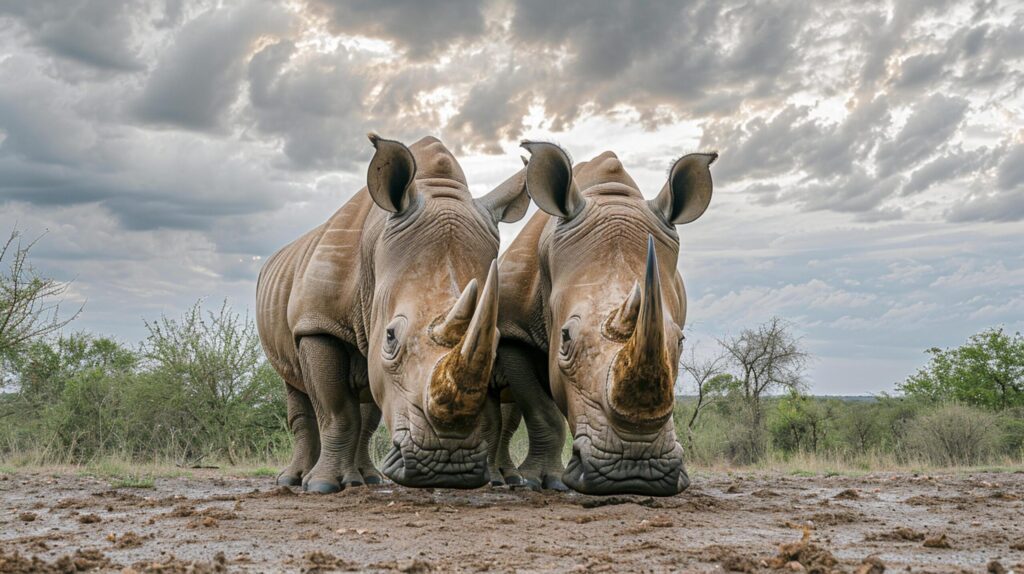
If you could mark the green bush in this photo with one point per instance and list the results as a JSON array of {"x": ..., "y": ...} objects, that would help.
[
  {"x": 198, "y": 387},
  {"x": 954, "y": 435}
]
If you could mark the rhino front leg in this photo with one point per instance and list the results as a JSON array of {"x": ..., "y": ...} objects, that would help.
[
  {"x": 545, "y": 425},
  {"x": 325, "y": 370},
  {"x": 302, "y": 423},
  {"x": 492, "y": 435},
  {"x": 511, "y": 416},
  {"x": 370, "y": 415}
]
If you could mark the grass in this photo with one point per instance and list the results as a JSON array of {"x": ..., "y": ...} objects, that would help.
[
  {"x": 134, "y": 481},
  {"x": 263, "y": 471}
]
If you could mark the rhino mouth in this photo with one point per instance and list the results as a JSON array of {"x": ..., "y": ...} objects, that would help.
[
  {"x": 431, "y": 461},
  {"x": 605, "y": 463}
]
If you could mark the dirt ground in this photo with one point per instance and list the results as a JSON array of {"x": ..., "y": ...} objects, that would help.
[{"x": 725, "y": 522}]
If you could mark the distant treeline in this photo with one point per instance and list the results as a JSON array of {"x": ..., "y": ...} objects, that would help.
[{"x": 198, "y": 389}]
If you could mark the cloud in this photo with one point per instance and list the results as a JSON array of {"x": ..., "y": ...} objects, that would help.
[
  {"x": 96, "y": 33},
  {"x": 933, "y": 122},
  {"x": 869, "y": 184},
  {"x": 199, "y": 77},
  {"x": 420, "y": 27}
]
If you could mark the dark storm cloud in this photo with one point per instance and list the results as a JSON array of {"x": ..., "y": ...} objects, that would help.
[
  {"x": 418, "y": 27},
  {"x": 97, "y": 33},
  {"x": 698, "y": 58},
  {"x": 316, "y": 105},
  {"x": 199, "y": 77},
  {"x": 492, "y": 112}
]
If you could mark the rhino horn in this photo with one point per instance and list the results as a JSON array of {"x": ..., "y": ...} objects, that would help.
[
  {"x": 448, "y": 330},
  {"x": 622, "y": 321},
  {"x": 459, "y": 384},
  {"x": 641, "y": 383}
]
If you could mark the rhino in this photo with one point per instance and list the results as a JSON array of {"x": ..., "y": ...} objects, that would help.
[
  {"x": 591, "y": 318},
  {"x": 389, "y": 310}
]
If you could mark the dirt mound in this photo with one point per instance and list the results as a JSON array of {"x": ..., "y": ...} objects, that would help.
[
  {"x": 848, "y": 494},
  {"x": 80, "y": 561},
  {"x": 172, "y": 565},
  {"x": 729, "y": 559},
  {"x": 811, "y": 557},
  {"x": 317, "y": 562},
  {"x": 940, "y": 541},
  {"x": 901, "y": 533}
]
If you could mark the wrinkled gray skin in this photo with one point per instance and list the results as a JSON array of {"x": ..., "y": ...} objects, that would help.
[
  {"x": 391, "y": 302},
  {"x": 591, "y": 317}
]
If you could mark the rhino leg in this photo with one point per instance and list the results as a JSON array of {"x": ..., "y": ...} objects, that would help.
[
  {"x": 491, "y": 432},
  {"x": 370, "y": 417},
  {"x": 325, "y": 371},
  {"x": 510, "y": 419},
  {"x": 545, "y": 424},
  {"x": 302, "y": 423}
]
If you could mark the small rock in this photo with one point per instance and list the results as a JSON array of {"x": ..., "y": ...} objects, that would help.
[
  {"x": 27, "y": 516},
  {"x": 794, "y": 566},
  {"x": 871, "y": 565},
  {"x": 994, "y": 567},
  {"x": 940, "y": 541}
]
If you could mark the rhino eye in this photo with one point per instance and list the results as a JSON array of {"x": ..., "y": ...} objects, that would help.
[
  {"x": 568, "y": 335},
  {"x": 392, "y": 333}
]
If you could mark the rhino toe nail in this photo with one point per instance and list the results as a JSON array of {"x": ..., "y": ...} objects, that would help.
[
  {"x": 322, "y": 487},
  {"x": 289, "y": 480},
  {"x": 514, "y": 480},
  {"x": 555, "y": 484},
  {"x": 373, "y": 479}
]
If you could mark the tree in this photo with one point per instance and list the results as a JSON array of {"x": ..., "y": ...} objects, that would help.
[
  {"x": 711, "y": 383},
  {"x": 988, "y": 371},
  {"x": 801, "y": 423},
  {"x": 212, "y": 375},
  {"x": 765, "y": 359},
  {"x": 29, "y": 302}
]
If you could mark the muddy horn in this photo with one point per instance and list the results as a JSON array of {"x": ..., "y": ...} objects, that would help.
[
  {"x": 459, "y": 384},
  {"x": 641, "y": 383}
]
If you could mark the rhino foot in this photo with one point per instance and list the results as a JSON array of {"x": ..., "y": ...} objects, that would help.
[
  {"x": 289, "y": 480},
  {"x": 543, "y": 481},
  {"x": 512, "y": 477},
  {"x": 322, "y": 486}
]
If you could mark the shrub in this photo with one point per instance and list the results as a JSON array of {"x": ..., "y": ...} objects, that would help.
[{"x": 954, "y": 435}]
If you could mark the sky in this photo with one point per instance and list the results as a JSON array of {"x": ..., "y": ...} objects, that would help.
[{"x": 870, "y": 185}]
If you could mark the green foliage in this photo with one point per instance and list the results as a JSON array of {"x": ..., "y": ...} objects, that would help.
[
  {"x": 198, "y": 387},
  {"x": 988, "y": 371},
  {"x": 801, "y": 423},
  {"x": 954, "y": 435}
]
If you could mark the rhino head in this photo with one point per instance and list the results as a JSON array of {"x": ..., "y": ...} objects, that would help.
[
  {"x": 615, "y": 314},
  {"x": 431, "y": 329}
]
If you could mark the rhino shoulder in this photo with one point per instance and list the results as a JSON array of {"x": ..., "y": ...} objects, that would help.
[
  {"x": 521, "y": 298},
  {"x": 329, "y": 270}
]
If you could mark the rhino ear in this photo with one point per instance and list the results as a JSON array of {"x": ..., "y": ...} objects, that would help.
[
  {"x": 688, "y": 191},
  {"x": 549, "y": 180},
  {"x": 390, "y": 176},
  {"x": 509, "y": 201}
]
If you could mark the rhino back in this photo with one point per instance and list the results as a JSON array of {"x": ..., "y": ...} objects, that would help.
[{"x": 311, "y": 286}]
